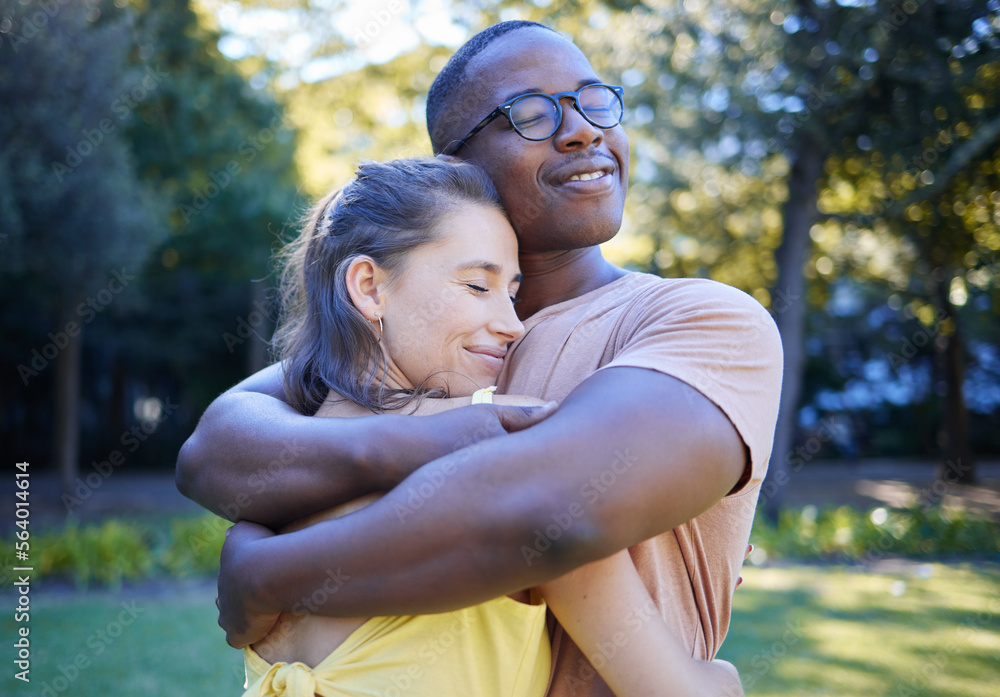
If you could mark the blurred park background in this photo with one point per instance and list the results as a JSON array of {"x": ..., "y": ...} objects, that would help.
[{"x": 838, "y": 160}]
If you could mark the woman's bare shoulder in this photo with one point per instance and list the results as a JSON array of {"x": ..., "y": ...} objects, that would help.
[{"x": 338, "y": 406}]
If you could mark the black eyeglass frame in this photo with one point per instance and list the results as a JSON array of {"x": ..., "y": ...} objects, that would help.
[{"x": 504, "y": 110}]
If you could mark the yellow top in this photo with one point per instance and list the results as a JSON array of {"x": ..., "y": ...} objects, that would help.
[
  {"x": 484, "y": 396},
  {"x": 499, "y": 648}
]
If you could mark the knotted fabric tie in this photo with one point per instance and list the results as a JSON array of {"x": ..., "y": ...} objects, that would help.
[{"x": 288, "y": 680}]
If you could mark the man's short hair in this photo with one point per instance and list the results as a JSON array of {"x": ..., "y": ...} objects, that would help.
[{"x": 445, "y": 88}]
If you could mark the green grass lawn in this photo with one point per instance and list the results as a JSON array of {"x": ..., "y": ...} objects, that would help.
[
  {"x": 169, "y": 645},
  {"x": 929, "y": 629}
]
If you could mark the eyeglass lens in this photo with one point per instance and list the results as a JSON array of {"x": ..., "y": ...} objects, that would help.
[{"x": 537, "y": 117}]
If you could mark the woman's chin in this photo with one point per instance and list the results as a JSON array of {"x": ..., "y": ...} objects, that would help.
[{"x": 465, "y": 386}]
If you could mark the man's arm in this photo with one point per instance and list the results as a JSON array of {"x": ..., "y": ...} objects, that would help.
[
  {"x": 253, "y": 457},
  {"x": 630, "y": 453}
]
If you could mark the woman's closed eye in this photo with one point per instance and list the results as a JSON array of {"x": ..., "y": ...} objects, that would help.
[{"x": 481, "y": 291}]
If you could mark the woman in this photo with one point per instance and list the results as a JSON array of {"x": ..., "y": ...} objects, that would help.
[{"x": 399, "y": 297}]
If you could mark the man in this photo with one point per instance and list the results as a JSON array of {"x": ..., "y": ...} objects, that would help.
[{"x": 668, "y": 394}]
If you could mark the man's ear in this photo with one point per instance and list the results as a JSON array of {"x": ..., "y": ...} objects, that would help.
[{"x": 365, "y": 284}]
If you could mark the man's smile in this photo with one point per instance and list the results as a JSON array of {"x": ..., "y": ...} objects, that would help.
[
  {"x": 587, "y": 176},
  {"x": 590, "y": 175}
]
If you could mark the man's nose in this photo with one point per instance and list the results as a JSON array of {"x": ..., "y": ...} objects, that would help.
[{"x": 575, "y": 131}]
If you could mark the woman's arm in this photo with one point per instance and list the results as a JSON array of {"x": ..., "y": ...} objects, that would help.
[
  {"x": 253, "y": 457},
  {"x": 608, "y": 612}
]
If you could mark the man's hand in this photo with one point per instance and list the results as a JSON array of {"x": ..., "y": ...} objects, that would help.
[{"x": 236, "y": 616}]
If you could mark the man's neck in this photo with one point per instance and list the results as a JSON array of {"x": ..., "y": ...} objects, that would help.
[{"x": 554, "y": 277}]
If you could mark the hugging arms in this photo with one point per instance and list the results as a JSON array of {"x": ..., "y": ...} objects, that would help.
[{"x": 488, "y": 502}]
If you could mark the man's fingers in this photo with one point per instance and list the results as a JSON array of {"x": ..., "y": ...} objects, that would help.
[
  {"x": 244, "y": 531},
  {"x": 231, "y": 638},
  {"x": 519, "y": 418}
]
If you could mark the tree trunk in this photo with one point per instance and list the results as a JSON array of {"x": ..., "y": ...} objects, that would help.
[
  {"x": 67, "y": 398},
  {"x": 958, "y": 466},
  {"x": 788, "y": 304},
  {"x": 116, "y": 408}
]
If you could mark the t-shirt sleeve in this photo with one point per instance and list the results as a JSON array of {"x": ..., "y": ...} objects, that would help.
[{"x": 719, "y": 341}]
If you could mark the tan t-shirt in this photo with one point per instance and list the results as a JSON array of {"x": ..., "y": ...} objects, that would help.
[{"x": 721, "y": 342}]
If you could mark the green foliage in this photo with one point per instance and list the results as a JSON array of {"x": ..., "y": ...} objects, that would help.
[
  {"x": 846, "y": 534},
  {"x": 192, "y": 178},
  {"x": 106, "y": 554},
  {"x": 117, "y": 550},
  {"x": 74, "y": 208}
]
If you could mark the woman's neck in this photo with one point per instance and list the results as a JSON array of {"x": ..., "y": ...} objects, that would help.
[{"x": 554, "y": 277}]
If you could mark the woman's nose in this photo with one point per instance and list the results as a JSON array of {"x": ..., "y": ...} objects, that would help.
[{"x": 506, "y": 323}]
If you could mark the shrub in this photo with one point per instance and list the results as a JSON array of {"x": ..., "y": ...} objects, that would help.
[
  {"x": 116, "y": 550},
  {"x": 846, "y": 534},
  {"x": 107, "y": 553}
]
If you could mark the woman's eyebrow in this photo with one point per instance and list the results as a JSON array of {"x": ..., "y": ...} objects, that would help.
[{"x": 487, "y": 266}]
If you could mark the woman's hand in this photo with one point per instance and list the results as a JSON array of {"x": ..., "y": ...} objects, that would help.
[
  {"x": 237, "y": 616},
  {"x": 606, "y": 604},
  {"x": 725, "y": 678}
]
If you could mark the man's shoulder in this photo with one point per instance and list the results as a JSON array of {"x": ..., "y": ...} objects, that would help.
[{"x": 654, "y": 294}]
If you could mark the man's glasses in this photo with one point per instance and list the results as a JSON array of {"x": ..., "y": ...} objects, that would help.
[{"x": 537, "y": 116}]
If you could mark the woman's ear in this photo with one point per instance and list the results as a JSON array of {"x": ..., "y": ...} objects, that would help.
[{"x": 366, "y": 284}]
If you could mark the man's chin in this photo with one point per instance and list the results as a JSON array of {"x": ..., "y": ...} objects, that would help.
[
  {"x": 555, "y": 244},
  {"x": 563, "y": 233},
  {"x": 592, "y": 233}
]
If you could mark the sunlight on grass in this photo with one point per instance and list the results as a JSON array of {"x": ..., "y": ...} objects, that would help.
[{"x": 927, "y": 629}]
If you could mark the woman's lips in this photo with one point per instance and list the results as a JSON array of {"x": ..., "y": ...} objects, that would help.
[{"x": 491, "y": 357}]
